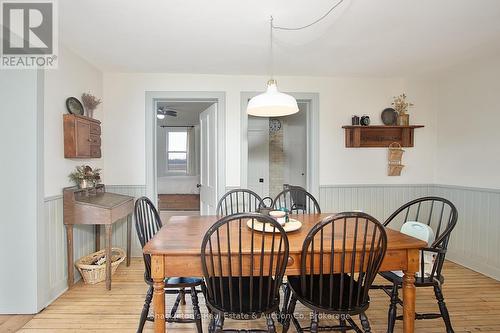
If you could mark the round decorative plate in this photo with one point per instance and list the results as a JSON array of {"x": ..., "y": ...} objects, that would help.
[
  {"x": 290, "y": 226},
  {"x": 74, "y": 106},
  {"x": 389, "y": 117}
]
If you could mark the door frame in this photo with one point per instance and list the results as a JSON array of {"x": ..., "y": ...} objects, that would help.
[
  {"x": 312, "y": 138},
  {"x": 152, "y": 97}
]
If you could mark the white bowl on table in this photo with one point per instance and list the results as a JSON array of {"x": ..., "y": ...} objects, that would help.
[{"x": 279, "y": 216}]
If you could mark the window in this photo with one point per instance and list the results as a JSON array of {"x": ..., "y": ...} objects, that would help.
[{"x": 177, "y": 151}]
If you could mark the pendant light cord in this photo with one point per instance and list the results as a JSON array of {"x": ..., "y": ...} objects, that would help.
[
  {"x": 271, "y": 65},
  {"x": 277, "y": 27}
]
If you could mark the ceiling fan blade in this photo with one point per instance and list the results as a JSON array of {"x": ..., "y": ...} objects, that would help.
[{"x": 171, "y": 113}]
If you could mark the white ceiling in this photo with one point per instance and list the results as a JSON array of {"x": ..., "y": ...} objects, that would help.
[
  {"x": 188, "y": 112},
  {"x": 362, "y": 37}
]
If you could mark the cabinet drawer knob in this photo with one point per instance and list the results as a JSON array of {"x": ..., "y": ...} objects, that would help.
[{"x": 290, "y": 261}]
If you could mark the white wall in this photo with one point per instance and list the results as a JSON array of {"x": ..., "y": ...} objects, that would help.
[
  {"x": 21, "y": 112},
  {"x": 468, "y": 146},
  {"x": 73, "y": 77},
  {"x": 124, "y": 123}
]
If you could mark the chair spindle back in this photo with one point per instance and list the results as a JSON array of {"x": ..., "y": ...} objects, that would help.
[
  {"x": 297, "y": 201},
  {"x": 341, "y": 256},
  {"x": 239, "y": 201},
  {"x": 441, "y": 215},
  {"x": 147, "y": 223},
  {"x": 244, "y": 268}
]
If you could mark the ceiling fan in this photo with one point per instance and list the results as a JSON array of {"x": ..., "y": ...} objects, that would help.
[{"x": 166, "y": 111}]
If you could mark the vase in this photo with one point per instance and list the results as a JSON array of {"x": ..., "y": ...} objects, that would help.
[
  {"x": 404, "y": 119},
  {"x": 83, "y": 184}
]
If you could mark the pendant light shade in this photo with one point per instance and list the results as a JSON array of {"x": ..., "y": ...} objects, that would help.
[{"x": 272, "y": 103}]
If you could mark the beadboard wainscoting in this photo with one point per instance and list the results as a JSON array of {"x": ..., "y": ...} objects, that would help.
[
  {"x": 377, "y": 200},
  {"x": 52, "y": 242},
  {"x": 474, "y": 242}
]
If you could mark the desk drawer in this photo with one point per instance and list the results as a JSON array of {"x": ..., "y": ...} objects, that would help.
[{"x": 95, "y": 129}]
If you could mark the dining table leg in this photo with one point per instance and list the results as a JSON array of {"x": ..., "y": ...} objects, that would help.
[
  {"x": 158, "y": 275},
  {"x": 409, "y": 291}
]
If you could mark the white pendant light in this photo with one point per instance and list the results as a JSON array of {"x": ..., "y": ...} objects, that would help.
[{"x": 272, "y": 103}]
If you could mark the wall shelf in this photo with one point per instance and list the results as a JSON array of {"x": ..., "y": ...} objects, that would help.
[{"x": 379, "y": 136}]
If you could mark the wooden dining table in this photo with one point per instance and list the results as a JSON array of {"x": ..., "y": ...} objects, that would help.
[{"x": 176, "y": 250}]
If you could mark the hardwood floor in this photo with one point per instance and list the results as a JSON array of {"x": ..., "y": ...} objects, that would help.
[
  {"x": 12, "y": 323},
  {"x": 183, "y": 202},
  {"x": 473, "y": 301}
]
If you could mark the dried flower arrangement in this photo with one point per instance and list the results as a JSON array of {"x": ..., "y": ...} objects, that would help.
[
  {"x": 401, "y": 105},
  {"x": 83, "y": 175},
  {"x": 91, "y": 103}
]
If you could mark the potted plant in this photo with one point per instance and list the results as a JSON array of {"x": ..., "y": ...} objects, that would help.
[
  {"x": 85, "y": 177},
  {"x": 401, "y": 106},
  {"x": 91, "y": 103}
]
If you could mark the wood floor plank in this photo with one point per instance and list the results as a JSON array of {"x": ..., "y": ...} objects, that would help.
[
  {"x": 12, "y": 323},
  {"x": 473, "y": 301}
]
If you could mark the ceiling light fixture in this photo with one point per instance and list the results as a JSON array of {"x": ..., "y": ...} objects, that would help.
[{"x": 274, "y": 103}]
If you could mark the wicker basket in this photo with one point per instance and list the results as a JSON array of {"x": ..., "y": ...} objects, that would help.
[
  {"x": 395, "y": 169},
  {"x": 93, "y": 274},
  {"x": 395, "y": 152}
]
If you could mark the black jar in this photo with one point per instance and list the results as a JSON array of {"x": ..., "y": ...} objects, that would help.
[
  {"x": 364, "y": 120},
  {"x": 355, "y": 120}
]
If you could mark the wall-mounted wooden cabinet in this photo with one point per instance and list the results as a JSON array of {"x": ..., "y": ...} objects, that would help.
[
  {"x": 82, "y": 137},
  {"x": 379, "y": 136}
]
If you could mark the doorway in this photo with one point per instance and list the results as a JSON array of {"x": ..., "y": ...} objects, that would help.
[
  {"x": 282, "y": 150},
  {"x": 277, "y": 150},
  {"x": 184, "y": 163},
  {"x": 178, "y": 155}
]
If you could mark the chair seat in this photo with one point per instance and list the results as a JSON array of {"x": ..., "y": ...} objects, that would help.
[
  {"x": 397, "y": 279},
  {"x": 180, "y": 282},
  {"x": 247, "y": 306},
  {"x": 323, "y": 300}
]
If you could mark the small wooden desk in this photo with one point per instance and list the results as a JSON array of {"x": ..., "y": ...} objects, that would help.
[
  {"x": 175, "y": 251},
  {"x": 101, "y": 208}
]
